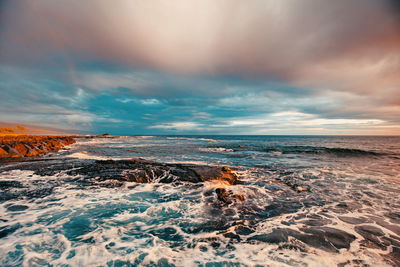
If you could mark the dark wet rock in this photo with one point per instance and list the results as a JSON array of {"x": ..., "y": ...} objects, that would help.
[
  {"x": 369, "y": 229},
  {"x": 38, "y": 192},
  {"x": 392, "y": 227},
  {"x": 345, "y": 207},
  {"x": 232, "y": 236},
  {"x": 243, "y": 230},
  {"x": 17, "y": 208},
  {"x": 394, "y": 217},
  {"x": 281, "y": 207},
  {"x": 6, "y": 184},
  {"x": 395, "y": 228},
  {"x": 288, "y": 223},
  {"x": 296, "y": 247},
  {"x": 349, "y": 263},
  {"x": 111, "y": 183},
  {"x": 167, "y": 234},
  {"x": 371, "y": 236},
  {"x": 210, "y": 226},
  {"x": 295, "y": 184},
  {"x": 227, "y": 196},
  {"x": 391, "y": 241},
  {"x": 327, "y": 238},
  {"x": 313, "y": 222},
  {"x": 393, "y": 257},
  {"x": 135, "y": 170},
  {"x": 278, "y": 235},
  {"x": 212, "y": 241},
  {"x": 9, "y": 229},
  {"x": 353, "y": 220},
  {"x": 143, "y": 171}
]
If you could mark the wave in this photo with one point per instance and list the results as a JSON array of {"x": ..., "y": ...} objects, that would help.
[
  {"x": 216, "y": 149},
  {"x": 337, "y": 151},
  {"x": 192, "y": 139},
  {"x": 86, "y": 155},
  {"x": 296, "y": 149}
]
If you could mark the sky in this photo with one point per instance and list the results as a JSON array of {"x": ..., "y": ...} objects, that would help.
[{"x": 202, "y": 67}]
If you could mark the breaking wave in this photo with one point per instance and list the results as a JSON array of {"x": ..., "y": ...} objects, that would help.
[{"x": 337, "y": 151}]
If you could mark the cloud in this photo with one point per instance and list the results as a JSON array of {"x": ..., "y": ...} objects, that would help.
[
  {"x": 264, "y": 37},
  {"x": 211, "y": 63},
  {"x": 344, "y": 45},
  {"x": 178, "y": 126}
]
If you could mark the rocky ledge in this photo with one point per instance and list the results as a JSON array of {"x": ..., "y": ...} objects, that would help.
[
  {"x": 31, "y": 145},
  {"x": 112, "y": 174}
]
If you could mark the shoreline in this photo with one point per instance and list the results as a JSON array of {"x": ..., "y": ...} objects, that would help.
[{"x": 22, "y": 146}]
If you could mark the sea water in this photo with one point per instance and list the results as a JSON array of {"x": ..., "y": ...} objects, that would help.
[{"x": 350, "y": 181}]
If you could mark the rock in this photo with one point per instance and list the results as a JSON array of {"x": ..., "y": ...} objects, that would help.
[
  {"x": 394, "y": 217},
  {"x": 278, "y": 235},
  {"x": 144, "y": 171},
  {"x": 32, "y": 152},
  {"x": 3, "y": 153},
  {"x": 326, "y": 237},
  {"x": 21, "y": 149},
  {"x": 206, "y": 173},
  {"x": 345, "y": 207},
  {"x": 17, "y": 207},
  {"x": 353, "y": 220},
  {"x": 227, "y": 196},
  {"x": 5, "y": 184},
  {"x": 371, "y": 236},
  {"x": 243, "y": 230},
  {"x": 395, "y": 228},
  {"x": 31, "y": 145},
  {"x": 7, "y": 230},
  {"x": 279, "y": 207},
  {"x": 297, "y": 247},
  {"x": 295, "y": 185},
  {"x": 232, "y": 236},
  {"x": 301, "y": 189},
  {"x": 319, "y": 222},
  {"x": 11, "y": 152},
  {"x": 393, "y": 257},
  {"x": 369, "y": 229}
]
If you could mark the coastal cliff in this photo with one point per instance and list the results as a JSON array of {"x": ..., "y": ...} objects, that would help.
[{"x": 31, "y": 145}]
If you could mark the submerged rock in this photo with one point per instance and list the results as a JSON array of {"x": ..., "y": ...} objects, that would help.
[
  {"x": 371, "y": 235},
  {"x": 353, "y": 220},
  {"x": 324, "y": 238},
  {"x": 9, "y": 229},
  {"x": 227, "y": 196}
]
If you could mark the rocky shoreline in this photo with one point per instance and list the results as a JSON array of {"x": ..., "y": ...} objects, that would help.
[{"x": 31, "y": 145}]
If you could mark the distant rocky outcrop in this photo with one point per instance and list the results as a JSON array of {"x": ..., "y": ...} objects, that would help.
[{"x": 31, "y": 145}]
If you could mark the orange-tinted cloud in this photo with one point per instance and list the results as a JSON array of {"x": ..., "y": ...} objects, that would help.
[{"x": 346, "y": 49}]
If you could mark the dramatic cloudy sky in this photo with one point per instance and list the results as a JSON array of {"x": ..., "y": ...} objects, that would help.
[{"x": 202, "y": 67}]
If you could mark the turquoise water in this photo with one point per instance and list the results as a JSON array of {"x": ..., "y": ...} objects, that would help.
[{"x": 68, "y": 224}]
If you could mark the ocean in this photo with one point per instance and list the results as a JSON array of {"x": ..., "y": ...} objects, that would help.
[{"x": 302, "y": 201}]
